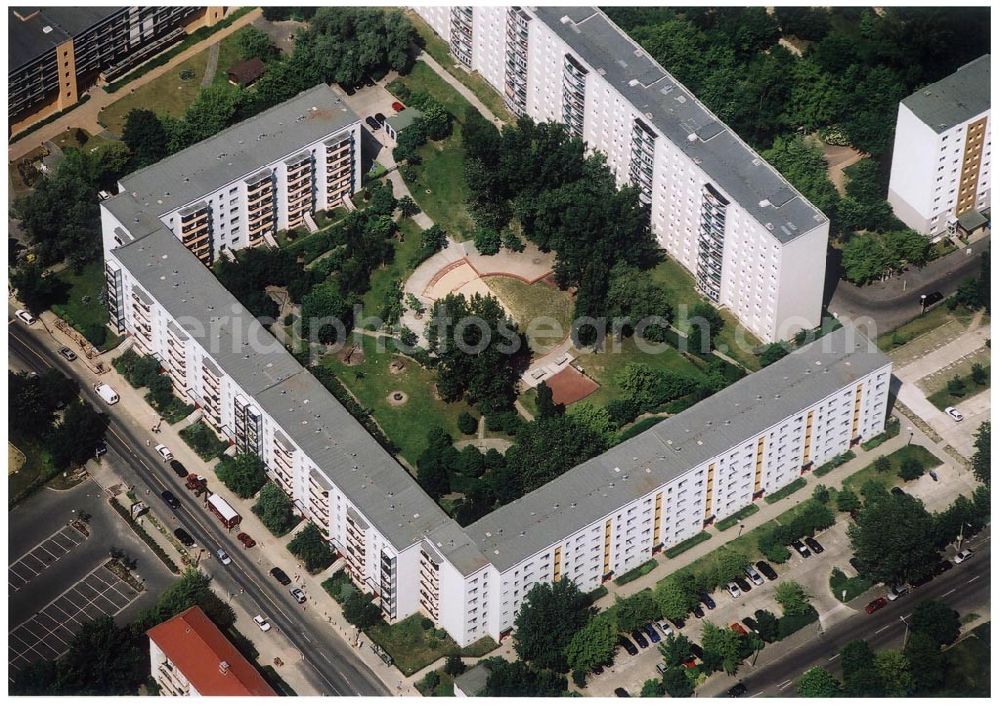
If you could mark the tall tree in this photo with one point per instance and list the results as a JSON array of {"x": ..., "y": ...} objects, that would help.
[
  {"x": 936, "y": 620},
  {"x": 145, "y": 136},
  {"x": 981, "y": 457},
  {"x": 548, "y": 619},
  {"x": 818, "y": 682},
  {"x": 677, "y": 595},
  {"x": 893, "y": 538},
  {"x": 594, "y": 644}
]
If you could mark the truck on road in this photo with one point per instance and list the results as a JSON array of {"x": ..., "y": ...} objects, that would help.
[{"x": 223, "y": 511}]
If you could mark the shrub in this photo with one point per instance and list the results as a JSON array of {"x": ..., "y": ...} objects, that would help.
[
  {"x": 730, "y": 521},
  {"x": 785, "y": 491},
  {"x": 243, "y": 474},
  {"x": 853, "y": 586},
  {"x": 683, "y": 547},
  {"x": 361, "y": 612},
  {"x": 275, "y": 510},
  {"x": 454, "y": 665},
  {"x": 203, "y": 441},
  {"x": 312, "y": 548},
  {"x": 910, "y": 469},
  {"x": 636, "y": 572},
  {"x": 467, "y": 424},
  {"x": 96, "y": 334}
]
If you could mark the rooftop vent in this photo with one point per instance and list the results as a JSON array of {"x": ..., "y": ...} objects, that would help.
[
  {"x": 693, "y": 137},
  {"x": 633, "y": 82},
  {"x": 223, "y": 667},
  {"x": 46, "y": 29},
  {"x": 764, "y": 203}
]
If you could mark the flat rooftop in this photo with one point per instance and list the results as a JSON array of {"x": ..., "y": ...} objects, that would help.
[
  {"x": 668, "y": 450},
  {"x": 32, "y": 31},
  {"x": 239, "y": 150},
  {"x": 955, "y": 99},
  {"x": 673, "y": 110}
]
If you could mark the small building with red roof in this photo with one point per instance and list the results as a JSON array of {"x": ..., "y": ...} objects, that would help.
[{"x": 189, "y": 655}]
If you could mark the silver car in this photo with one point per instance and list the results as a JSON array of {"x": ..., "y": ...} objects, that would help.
[
  {"x": 734, "y": 590},
  {"x": 753, "y": 575}
]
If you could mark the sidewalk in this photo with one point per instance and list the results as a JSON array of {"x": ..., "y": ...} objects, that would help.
[{"x": 460, "y": 87}]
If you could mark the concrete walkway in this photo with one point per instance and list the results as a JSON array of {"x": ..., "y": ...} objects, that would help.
[
  {"x": 85, "y": 116},
  {"x": 211, "y": 66},
  {"x": 460, "y": 87}
]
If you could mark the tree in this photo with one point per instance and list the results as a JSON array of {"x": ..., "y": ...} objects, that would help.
[
  {"x": 956, "y": 387},
  {"x": 545, "y": 448},
  {"x": 880, "y": 88},
  {"x": 549, "y": 617},
  {"x": 708, "y": 323},
  {"x": 244, "y": 474},
  {"x": 360, "y": 611},
  {"x": 543, "y": 401},
  {"x": 675, "y": 649},
  {"x": 596, "y": 419},
  {"x": 35, "y": 287},
  {"x": 911, "y": 468},
  {"x": 638, "y": 304},
  {"x": 594, "y": 644},
  {"x": 254, "y": 43},
  {"x": 103, "y": 659},
  {"x": 326, "y": 313},
  {"x": 854, "y": 656},
  {"x": 847, "y": 501},
  {"x": 724, "y": 643},
  {"x": 981, "y": 457},
  {"x": 801, "y": 162},
  {"x": 767, "y": 626},
  {"x": 809, "y": 23},
  {"x": 312, "y": 548},
  {"x": 894, "y": 669},
  {"x": 818, "y": 682},
  {"x": 923, "y": 654},
  {"x": 653, "y": 688},
  {"x": 772, "y": 353},
  {"x": 821, "y": 494},
  {"x": 866, "y": 258},
  {"x": 729, "y": 565},
  {"x": 467, "y": 424},
  {"x": 454, "y": 665},
  {"x": 793, "y": 598},
  {"x": 893, "y": 538},
  {"x": 978, "y": 374},
  {"x": 73, "y": 440},
  {"x": 275, "y": 510},
  {"x": 407, "y": 206},
  {"x": 634, "y": 611},
  {"x": 882, "y": 463},
  {"x": 676, "y": 682},
  {"x": 517, "y": 679},
  {"x": 215, "y": 108},
  {"x": 434, "y": 465},
  {"x": 145, "y": 137},
  {"x": 936, "y": 620},
  {"x": 191, "y": 589},
  {"x": 677, "y": 595}
]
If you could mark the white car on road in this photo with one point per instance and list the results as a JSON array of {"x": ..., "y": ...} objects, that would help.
[
  {"x": 962, "y": 557},
  {"x": 164, "y": 452},
  {"x": 25, "y": 316},
  {"x": 954, "y": 414},
  {"x": 223, "y": 556},
  {"x": 262, "y": 623}
]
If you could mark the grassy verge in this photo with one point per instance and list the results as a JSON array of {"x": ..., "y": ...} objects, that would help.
[
  {"x": 82, "y": 307},
  {"x": 942, "y": 398},
  {"x": 729, "y": 522},
  {"x": 175, "y": 411},
  {"x": 634, "y": 574},
  {"x": 144, "y": 536},
  {"x": 683, "y": 547},
  {"x": 926, "y": 322},
  {"x": 889, "y": 478},
  {"x": 593, "y": 596},
  {"x": 785, "y": 491},
  {"x": 398, "y": 270},
  {"x": 845, "y": 588},
  {"x": 530, "y": 303}
]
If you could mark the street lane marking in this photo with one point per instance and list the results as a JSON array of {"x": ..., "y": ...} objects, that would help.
[
  {"x": 973, "y": 579},
  {"x": 882, "y": 629},
  {"x": 950, "y": 591}
]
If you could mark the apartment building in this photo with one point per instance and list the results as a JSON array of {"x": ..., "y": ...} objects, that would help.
[
  {"x": 56, "y": 53},
  {"x": 940, "y": 179},
  {"x": 753, "y": 243},
  {"x": 190, "y": 657}
]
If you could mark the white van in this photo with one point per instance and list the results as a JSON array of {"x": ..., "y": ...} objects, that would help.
[{"x": 107, "y": 393}]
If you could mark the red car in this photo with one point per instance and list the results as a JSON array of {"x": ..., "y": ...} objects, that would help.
[
  {"x": 397, "y": 106},
  {"x": 247, "y": 541},
  {"x": 875, "y": 605},
  {"x": 738, "y": 628}
]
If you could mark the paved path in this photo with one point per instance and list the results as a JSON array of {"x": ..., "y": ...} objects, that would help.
[
  {"x": 211, "y": 66},
  {"x": 460, "y": 87},
  {"x": 85, "y": 116}
]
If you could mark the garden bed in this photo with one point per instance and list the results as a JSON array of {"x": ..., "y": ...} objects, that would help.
[{"x": 786, "y": 491}]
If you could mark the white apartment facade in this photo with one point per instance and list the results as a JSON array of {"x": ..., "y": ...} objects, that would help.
[
  {"x": 940, "y": 179},
  {"x": 754, "y": 244},
  {"x": 599, "y": 519}
]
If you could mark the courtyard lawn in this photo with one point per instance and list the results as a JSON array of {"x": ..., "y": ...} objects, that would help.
[
  {"x": 942, "y": 398},
  {"x": 229, "y": 54},
  {"x": 82, "y": 307},
  {"x": 529, "y": 303},
  {"x": 440, "y": 189},
  {"x": 890, "y": 478},
  {"x": 399, "y": 269},
  {"x": 165, "y": 95},
  {"x": 423, "y": 78},
  {"x": 407, "y": 424},
  {"x": 603, "y": 365},
  {"x": 413, "y": 647}
]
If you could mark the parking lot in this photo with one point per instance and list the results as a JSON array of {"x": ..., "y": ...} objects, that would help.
[
  {"x": 42, "y": 556},
  {"x": 47, "y": 635}
]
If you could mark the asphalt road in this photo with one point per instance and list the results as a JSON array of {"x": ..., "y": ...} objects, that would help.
[
  {"x": 965, "y": 587},
  {"x": 334, "y": 664}
]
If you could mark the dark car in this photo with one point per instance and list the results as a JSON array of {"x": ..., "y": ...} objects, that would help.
[
  {"x": 178, "y": 468},
  {"x": 856, "y": 564},
  {"x": 380, "y": 119},
  {"x": 639, "y": 638},
  {"x": 738, "y": 690},
  {"x": 679, "y": 623},
  {"x": 897, "y": 491},
  {"x": 800, "y": 548},
  {"x": 750, "y": 623},
  {"x": 628, "y": 645},
  {"x": 100, "y": 449},
  {"x": 598, "y": 670},
  {"x": 372, "y": 123},
  {"x": 621, "y": 692},
  {"x": 707, "y": 600},
  {"x": 171, "y": 500},
  {"x": 247, "y": 541},
  {"x": 814, "y": 544},
  {"x": 766, "y": 570},
  {"x": 698, "y": 612},
  {"x": 930, "y": 298},
  {"x": 185, "y": 537},
  {"x": 279, "y": 574},
  {"x": 651, "y": 632},
  {"x": 696, "y": 651},
  {"x": 941, "y": 567},
  {"x": 742, "y": 584}
]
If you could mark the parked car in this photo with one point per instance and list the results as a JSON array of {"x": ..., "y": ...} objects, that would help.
[
  {"x": 372, "y": 123},
  {"x": 738, "y": 628},
  {"x": 753, "y": 575},
  {"x": 178, "y": 469},
  {"x": 651, "y": 632},
  {"x": 223, "y": 556},
  {"x": 621, "y": 692},
  {"x": 738, "y": 690},
  {"x": 184, "y": 536},
  {"x": 698, "y": 613},
  {"x": 100, "y": 449},
  {"x": 941, "y": 567},
  {"x": 743, "y": 584},
  {"x": 814, "y": 544},
  {"x": 733, "y": 589},
  {"x": 930, "y": 298},
  {"x": 800, "y": 548},
  {"x": 380, "y": 119},
  {"x": 661, "y": 668},
  {"x": 67, "y": 353},
  {"x": 678, "y": 623},
  {"x": 639, "y": 638},
  {"x": 247, "y": 541},
  {"x": 279, "y": 574},
  {"x": 665, "y": 628},
  {"x": 262, "y": 623},
  {"x": 954, "y": 414},
  {"x": 25, "y": 316},
  {"x": 598, "y": 670},
  {"x": 298, "y": 595},
  {"x": 696, "y": 651},
  {"x": 170, "y": 499},
  {"x": 856, "y": 564},
  {"x": 750, "y": 623},
  {"x": 895, "y": 490},
  {"x": 398, "y": 107},
  {"x": 628, "y": 645},
  {"x": 767, "y": 570},
  {"x": 875, "y": 604},
  {"x": 962, "y": 556},
  {"x": 896, "y": 591},
  {"x": 707, "y": 600},
  {"x": 164, "y": 452}
]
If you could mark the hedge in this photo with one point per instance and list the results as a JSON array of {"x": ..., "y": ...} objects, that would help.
[
  {"x": 683, "y": 547},
  {"x": 891, "y": 430},
  {"x": 141, "y": 532},
  {"x": 730, "y": 521},
  {"x": 596, "y": 594},
  {"x": 203, "y": 441},
  {"x": 640, "y": 571},
  {"x": 838, "y": 460},
  {"x": 785, "y": 491}
]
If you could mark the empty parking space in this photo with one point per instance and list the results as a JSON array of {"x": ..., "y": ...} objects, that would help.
[
  {"x": 47, "y": 635},
  {"x": 42, "y": 556}
]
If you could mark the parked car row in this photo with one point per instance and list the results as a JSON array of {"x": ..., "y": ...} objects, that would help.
[
  {"x": 755, "y": 573},
  {"x": 898, "y": 590}
]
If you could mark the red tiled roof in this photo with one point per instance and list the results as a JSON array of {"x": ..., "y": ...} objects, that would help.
[{"x": 198, "y": 649}]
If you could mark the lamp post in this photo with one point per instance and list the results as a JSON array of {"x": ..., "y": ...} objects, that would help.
[
  {"x": 741, "y": 531},
  {"x": 961, "y": 533},
  {"x": 910, "y": 430},
  {"x": 906, "y": 631}
]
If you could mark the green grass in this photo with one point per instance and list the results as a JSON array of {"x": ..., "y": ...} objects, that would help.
[
  {"x": 229, "y": 54},
  {"x": 967, "y": 666},
  {"x": 730, "y": 521},
  {"x": 82, "y": 306},
  {"x": 440, "y": 189},
  {"x": 413, "y": 647},
  {"x": 942, "y": 398},
  {"x": 640, "y": 571},
  {"x": 406, "y": 425},
  {"x": 529, "y": 303},
  {"x": 854, "y": 586},
  {"x": 838, "y": 460},
  {"x": 423, "y": 78},
  {"x": 745, "y": 544},
  {"x": 165, "y": 95},
  {"x": 603, "y": 365},
  {"x": 785, "y": 491},
  {"x": 639, "y": 427},
  {"x": 921, "y": 325},
  {"x": 203, "y": 441},
  {"x": 37, "y": 468},
  {"x": 399, "y": 269},
  {"x": 889, "y": 478},
  {"x": 529, "y": 399},
  {"x": 891, "y": 430}
]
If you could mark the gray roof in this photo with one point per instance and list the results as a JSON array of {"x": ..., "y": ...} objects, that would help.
[
  {"x": 955, "y": 99},
  {"x": 27, "y": 38},
  {"x": 239, "y": 150},
  {"x": 676, "y": 113},
  {"x": 592, "y": 490},
  {"x": 473, "y": 680},
  {"x": 403, "y": 119},
  {"x": 315, "y": 421}
]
